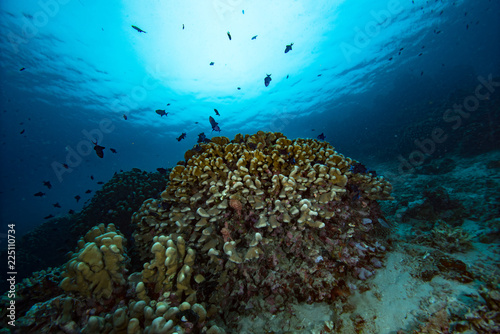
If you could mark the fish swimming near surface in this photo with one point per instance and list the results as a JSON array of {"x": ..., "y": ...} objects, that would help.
[
  {"x": 47, "y": 184},
  {"x": 77, "y": 197},
  {"x": 161, "y": 112},
  {"x": 267, "y": 80},
  {"x": 48, "y": 217},
  {"x": 39, "y": 194},
  {"x": 229, "y": 35},
  {"x": 56, "y": 205},
  {"x": 214, "y": 124},
  {"x": 254, "y": 37},
  {"x": 201, "y": 137},
  {"x": 288, "y": 48},
  {"x": 216, "y": 112},
  {"x": 99, "y": 149},
  {"x": 181, "y": 137},
  {"x": 138, "y": 29},
  {"x": 322, "y": 136},
  {"x": 113, "y": 150},
  {"x": 212, "y": 63}
]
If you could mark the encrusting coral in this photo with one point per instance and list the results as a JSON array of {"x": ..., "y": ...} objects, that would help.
[{"x": 244, "y": 226}]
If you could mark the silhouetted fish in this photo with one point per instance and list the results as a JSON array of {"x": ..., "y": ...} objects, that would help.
[
  {"x": 65, "y": 166},
  {"x": 22, "y": 69},
  {"x": 71, "y": 211},
  {"x": 98, "y": 149},
  {"x": 161, "y": 170},
  {"x": 201, "y": 137},
  {"x": 125, "y": 117},
  {"x": 238, "y": 88},
  {"x": 183, "y": 27},
  {"x": 47, "y": 184},
  {"x": 212, "y": 63},
  {"x": 22, "y": 132},
  {"x": 91, "y": 177},
  {"x": 254, "y": 37},
  {"x": 48, "y": 217},
  {"x": 77, "y": 197},
  {"x": 321, "y": 136},
  {"x": 113, "y": 150},
  {"x": 100, "y": 182},
  {"x": 161, "y": 112},
  {"x": 229, "y": 35},
  {"x": 288, "y": 48},
  {"x": 56, "y": 205},
  {"x": 138, "y": 29},
  {"x": 88, "y": 191},
  {"x": 181, "y": 137},
  {"x": 216, "y": 112},
  {"x": 214, "y": 124},
  {"x": 39, "y": 194},
  {"x": 267, "y": 80}
]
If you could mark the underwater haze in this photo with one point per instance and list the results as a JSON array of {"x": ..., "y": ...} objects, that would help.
[{"x": 116, "y": 113}]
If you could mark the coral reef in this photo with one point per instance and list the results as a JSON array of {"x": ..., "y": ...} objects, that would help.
[
  {"x": 244, "y": 226},
  {"x": 47, "y": 245},
  {"x": 272, "y": 221}
]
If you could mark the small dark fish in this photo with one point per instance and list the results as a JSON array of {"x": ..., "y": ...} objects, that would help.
[
  {"x": 238, "y": 88},
  {"x": 421, "y": 73},
  {"x": 467, "y": 27},
  {"x": 216, "y": 112},
  {"x": 98, "y": 149},
  {"x": 100, "y": 182},
  {"x": 229, "y": 35},
  {"x": 39, "y": 194},
  {"x": 401, "y": 49},
  {"x": 321, "y": 136},
  {"x": 71, "y": 212},
  {"x": 196, "y": 122},
  {"x": 420, "y": 54},
  {"x": 287, "y": 76},
  {"x": 88, "y": 191},
  {"x": 437, "y": 32},
  {"x": 212, "y": 63},
  {"x": 138, "y": 29},
  {"x": 313, "y": 129},
  {"x": 161, "y": 112},
  {"x": 319, "y": 75},
  {"x": 48, "y": 217},
  {"x": 423, "y": 46},
  {"x": 183, "y": 27},
  {"x": 22, "y": 132},
  {"x": 267, "y": 80},
  {"x": 113, "y": 150},
  {"x": 399, "y": 53},
  {"x": 214, "y": 124},
  {"x": 22, "y": 69},
  {"x": 65, "y": 166},
  {"x": 125, "y": 117},
  {"x": 440, "y": 12},
  {"x": 91, "y": 177},
  {"x": 288, "y": 48},
  {"x": 56, "y": 205},
  {"x": 162, "y": 171},
  {"x": 47, "y": 184},
  {"x": 201, "y": 137},
  {"x": 77, "y": 197},
  {"x": 168, "y": 104},
  {"x": 254, "y": 37},
  {"x": 390, "y": 59},
  {"x": 181, "y": 137}
]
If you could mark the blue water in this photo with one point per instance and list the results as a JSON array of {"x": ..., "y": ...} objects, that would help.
[{"x": 353, "y": 68}]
